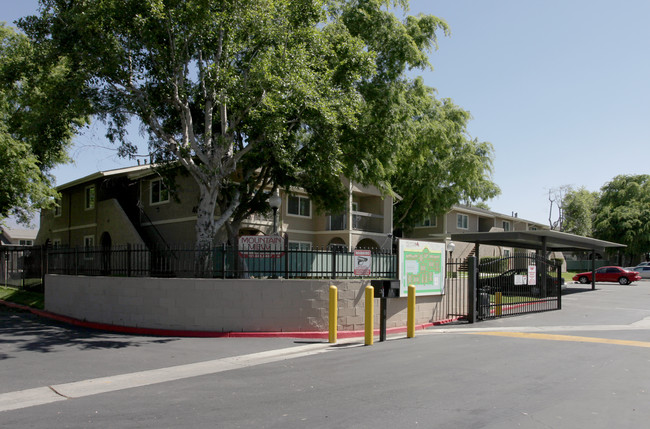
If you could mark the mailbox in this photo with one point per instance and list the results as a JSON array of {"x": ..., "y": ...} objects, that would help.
[{"x": 385, "y": 288}]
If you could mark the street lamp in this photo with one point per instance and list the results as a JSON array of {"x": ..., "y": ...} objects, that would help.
[
  {"x": 450, "y": 248},
  {"x": 275, "y": 201}
]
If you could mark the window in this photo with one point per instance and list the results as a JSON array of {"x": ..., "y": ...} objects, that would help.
[
  {"x": 89, "y": 197},
  {"x": 533, "y": 228},
  {"x": 300, "y": 245},
  {"x": 159, "y": 192},
  {"x": 57, "y": 207},
  {"x": 506, "y": 253},
  {"x": 462, "y": 221},
  {"x": 298, "y": 206},
  {"x": 506, "y": 225},
  {"x": 427, "y": 222},
  {"x": 89, "y": 244},
  {"x": 26, "y": 242},
  {"x": 56, "y": 243},
  {"x": 355, "y": 206}
]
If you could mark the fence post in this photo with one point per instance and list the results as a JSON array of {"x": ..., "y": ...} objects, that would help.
[
  {"x": 76, "y": 261},
  {"x": 333, "y": 250},
  {"x": 471, "y": 289},
  {"x": 223, "y": 260},
  {"x": 128, "y": 259},
  {"x": 559, "y": 286}
]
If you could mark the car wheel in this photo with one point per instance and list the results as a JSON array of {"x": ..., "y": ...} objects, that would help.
[
  {"x": 584, "y": 280},
  {"x": 624, "y": 281}
]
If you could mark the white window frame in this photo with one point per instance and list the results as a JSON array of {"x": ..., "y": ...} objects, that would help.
[
  {"x": 56, "y": 243},
  {"x": 91, "y": 238},
  {"x": 503, "y": 225},
  {"x": 90, "y": 205},
  {"x": 464, "y": 223},
  {"x": 302, "y": 245},
  {"x": 300, "y": 198},
  {"x": 26, "y": 242},
  {"x": 162, "y": 187}
]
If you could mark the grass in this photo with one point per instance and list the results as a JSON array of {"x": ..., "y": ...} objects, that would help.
[{"x": 23, "y": 297}]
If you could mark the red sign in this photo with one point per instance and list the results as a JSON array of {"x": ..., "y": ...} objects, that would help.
[{"x": 261, "y": 246}]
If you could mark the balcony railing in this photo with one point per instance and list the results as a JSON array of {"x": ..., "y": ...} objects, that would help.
[{"x": 361, "y": 221}]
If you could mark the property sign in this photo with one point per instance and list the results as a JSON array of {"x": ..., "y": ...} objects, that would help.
[
  {"x": 422, "y": 264},
  {"x": 362, "y": 262},
  {"x": 532, "y": 275},
  {"x": 261, "y": 246}
]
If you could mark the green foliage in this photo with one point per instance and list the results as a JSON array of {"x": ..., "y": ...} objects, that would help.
[
  {"x": 578, "y": 208},
  {"x": 438, "y": 164},
  {"x": 623, "y": 213},
  {"x": 38, "y": 118}
]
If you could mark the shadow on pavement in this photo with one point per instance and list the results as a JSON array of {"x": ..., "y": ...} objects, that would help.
[{"x": 26, "y": 332}]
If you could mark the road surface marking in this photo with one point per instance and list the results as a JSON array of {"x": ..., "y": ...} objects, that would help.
[{"x": 572, "y": 338}]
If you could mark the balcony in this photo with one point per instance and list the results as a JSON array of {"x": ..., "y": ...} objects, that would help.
[{"x": 361, "y": 221}]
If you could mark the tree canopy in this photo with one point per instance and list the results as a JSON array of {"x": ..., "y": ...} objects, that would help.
[
  {"x": 623, "y": 213},
  {"x": 39, "y": 114},
  {"x": 249, "y": 94},
  {"x": 578, "y": 211}
]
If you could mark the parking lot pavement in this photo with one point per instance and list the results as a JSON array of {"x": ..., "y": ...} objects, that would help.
[{"x": 39, "y": 352}]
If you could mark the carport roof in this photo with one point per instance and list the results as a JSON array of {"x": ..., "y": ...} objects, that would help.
[{"x": 539, "y": 240}]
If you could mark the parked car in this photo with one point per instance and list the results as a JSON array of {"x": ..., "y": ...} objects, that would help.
[
  {"x": 609, "y": 274},
  {"x": 642, "y": 264},
  {"x": 643, "y": 270},
  {"x": 515, "y": 282}
]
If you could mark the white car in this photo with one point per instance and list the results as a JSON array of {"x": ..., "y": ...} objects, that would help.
[
  {"x": 641, "y": 264},
  {"x": 643, "y": 270}
]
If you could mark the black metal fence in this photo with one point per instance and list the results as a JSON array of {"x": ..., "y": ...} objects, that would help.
[
  {"x": 217, "y": 262},
  {"x": 522, "y": 283},
  {"x": 22, "y": 267}
]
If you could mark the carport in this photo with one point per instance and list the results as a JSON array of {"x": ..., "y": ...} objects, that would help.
[{"x": 543, "y": 241}]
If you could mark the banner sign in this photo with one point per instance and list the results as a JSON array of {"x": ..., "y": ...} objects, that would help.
[
  {"x": 422, "y": 264},
  {"x": 261, "y": 246},
  {"x": 362, "y": 262}
]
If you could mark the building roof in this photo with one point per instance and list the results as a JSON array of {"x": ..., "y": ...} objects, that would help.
[
  {"x": 552, "y": 241},
  {"x": 138, "y": 169},
  {"x": 19, "y": 233},
  {"x": 490, "y": 213}
]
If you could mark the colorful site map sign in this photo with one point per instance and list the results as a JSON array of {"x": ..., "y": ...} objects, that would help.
[{"x": 422, "y": 264}]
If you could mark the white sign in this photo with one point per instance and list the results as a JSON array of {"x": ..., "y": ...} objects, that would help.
[
  {"x": 261, "y": 246},
  {"x": 422, "y": 264},
  {"x": 520, "y": 279},
  {"x": 362, "y": 262},
  {"x": 532, "y": 275}
]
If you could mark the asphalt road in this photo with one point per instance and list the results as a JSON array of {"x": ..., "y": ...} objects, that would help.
[{"x": 584, "y": 366}]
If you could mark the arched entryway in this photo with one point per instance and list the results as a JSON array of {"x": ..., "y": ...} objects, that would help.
[
  {"x": 368, "y": 243},
  {"x": 337, "y": 244}
]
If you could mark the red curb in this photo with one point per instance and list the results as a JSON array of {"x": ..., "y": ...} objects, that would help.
[{"x": 207, "y": 334}]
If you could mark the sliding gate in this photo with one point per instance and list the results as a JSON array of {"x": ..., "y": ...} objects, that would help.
[{"x": 522, "y": 283}]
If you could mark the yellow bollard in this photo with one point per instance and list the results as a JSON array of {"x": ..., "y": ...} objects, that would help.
[
  {"x": 334, "y": 313},
  {"x": 370, "y": 314},
  {"x": 497, "y": 304},
  {"x": 410, "y": 315}
]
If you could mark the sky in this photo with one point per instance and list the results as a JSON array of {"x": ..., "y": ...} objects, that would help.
[{"x": 561, "y": 88}]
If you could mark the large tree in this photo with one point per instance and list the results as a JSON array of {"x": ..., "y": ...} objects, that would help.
[
  {"x": 578, "y": 211},
  {"x": 279, "y": 92},
  {"x": 623, "y": 213},
  {"x": 40, "y": 110},
  {"x": 437, "y": 163}
]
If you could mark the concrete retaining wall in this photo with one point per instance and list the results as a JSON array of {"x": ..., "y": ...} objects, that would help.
[{"x": 224, "y": 305}]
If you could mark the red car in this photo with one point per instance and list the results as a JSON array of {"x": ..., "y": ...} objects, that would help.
[{"x": 609, "y": 274}]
